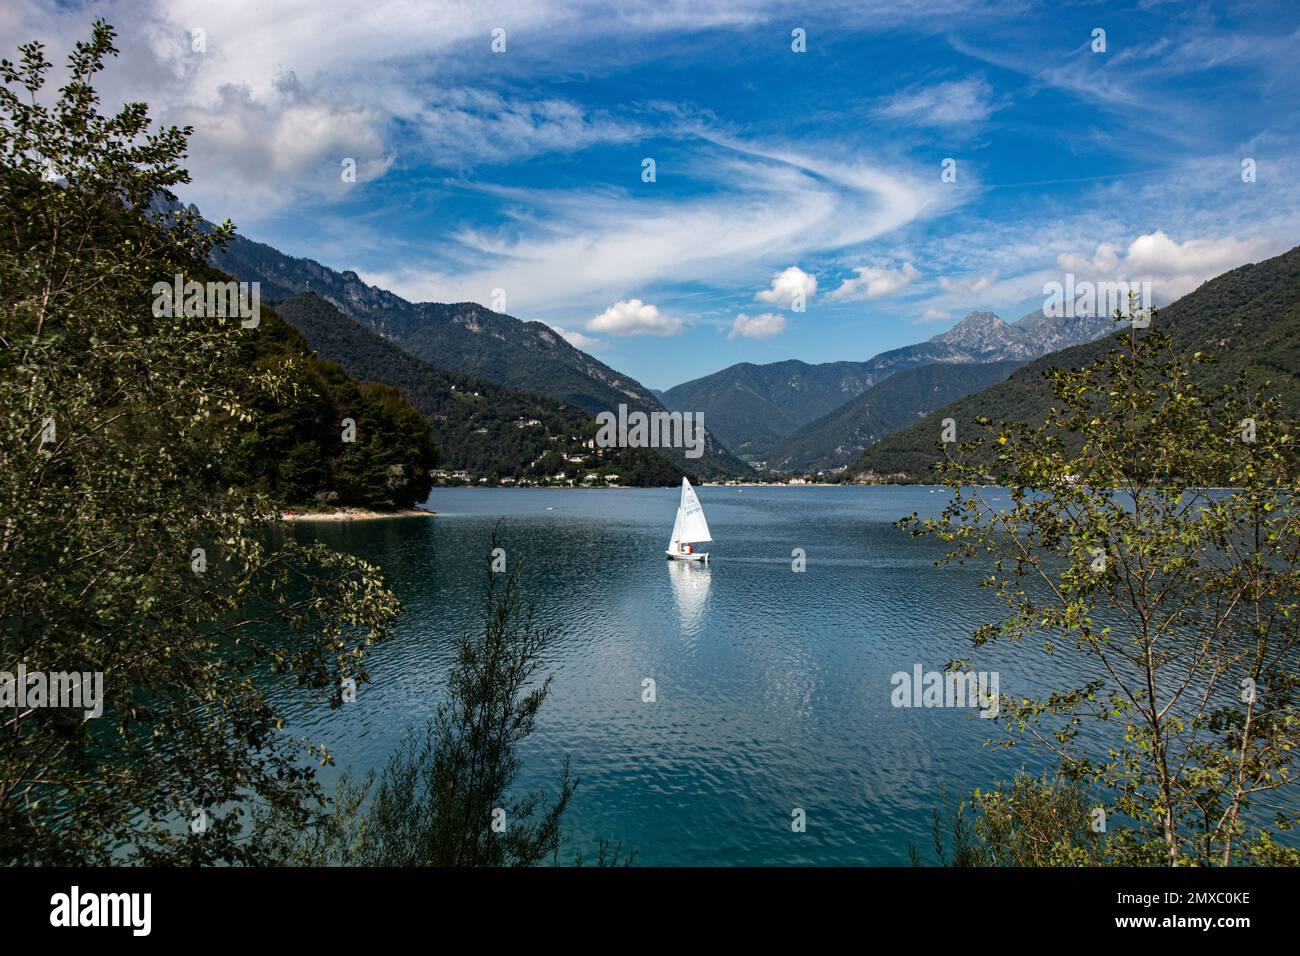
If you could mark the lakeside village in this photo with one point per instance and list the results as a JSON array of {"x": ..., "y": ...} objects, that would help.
[
  {"x": 582, "y": 463},
  {"x": 578, "y": 477}
]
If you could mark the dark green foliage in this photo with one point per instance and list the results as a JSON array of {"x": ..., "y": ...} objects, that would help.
[
  {"x": 438, "y": 795},
  {"x": 1149, "y": 534},
  {"x": 1028, "y": 822},
  {"x": 302, "y": 473},
  {"x": 293, "y": 447},
  {"x": 116, "y": 426},
  {"x": 643, "y": 468},
  {"x": 606, "y": 855},
  {"x": 389, "y": 463},
  {"x": 955, "y": 825}
]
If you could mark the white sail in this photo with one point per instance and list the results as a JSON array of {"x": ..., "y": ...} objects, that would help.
[
  {"x": 677, "y": 528},
  {"x": 690, "y": 525}
]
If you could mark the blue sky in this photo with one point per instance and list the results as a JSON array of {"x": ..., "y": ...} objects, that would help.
[{"x": 776, "y": 171}]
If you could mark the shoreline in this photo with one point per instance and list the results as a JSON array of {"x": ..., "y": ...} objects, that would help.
[
  {"x": 702, "y": 484},
  {"x": 354, "y": 514}
]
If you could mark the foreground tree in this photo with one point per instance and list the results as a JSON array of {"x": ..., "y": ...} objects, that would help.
[
  {"x": 1028, "y": 821},
  {"x": 444, "y": 799},
  {"x": 1152, "y": 531},
  {"x": 120, "y": 553}
]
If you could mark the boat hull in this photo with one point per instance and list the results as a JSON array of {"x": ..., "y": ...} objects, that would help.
[{"x": 693, "y": 556}]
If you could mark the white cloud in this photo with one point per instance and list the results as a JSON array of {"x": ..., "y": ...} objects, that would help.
[
  {"x": 872, "y": 283},
  {"x": 757, "y": 326},
  {"x": 400, "y": 84},
  {"x": 589, "y": 246},
  {"x": 944, "y": 104},
  {"x": 788, "y": 285},
  {"x": 1105, "y": 259},
  {"x": 972, "y": 287},
  {"x": 1157, "y": 254},
  {"x": 986, "y": 290},
  {"x": 577, "y": 339},
  {"x": 634, "y": 317},
  {"x": 250, "y": 154},
  {"x": 461, "y": 127},
  {"x": 1173, "y": 268}
]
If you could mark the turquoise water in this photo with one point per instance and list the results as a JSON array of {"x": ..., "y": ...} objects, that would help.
[{"x": 773, "y": 687}]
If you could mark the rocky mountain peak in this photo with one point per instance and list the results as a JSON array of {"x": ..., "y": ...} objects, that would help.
[{"x": 978, "y": 332}]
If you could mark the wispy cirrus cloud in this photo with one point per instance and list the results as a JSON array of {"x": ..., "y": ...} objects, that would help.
[
  {"x": 566, "y": 248},
  {"x": 462, "y": 127},
  {"x": 952, "y": 103},
  {"x": 520, "y": 171}
]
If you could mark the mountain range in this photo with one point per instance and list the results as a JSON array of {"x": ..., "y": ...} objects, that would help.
[
  {"x": 466, "y": 338},
  {"x": 476, "y": 374},
  {"x": 1247, "y": 320},
  {"x": 760, "y": 411},
  {"x": 487, "y": 430},
  {"x": 836, "y": 439}
]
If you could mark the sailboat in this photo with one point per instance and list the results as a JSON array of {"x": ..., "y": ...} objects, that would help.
[{"x": 689, "y": 528}]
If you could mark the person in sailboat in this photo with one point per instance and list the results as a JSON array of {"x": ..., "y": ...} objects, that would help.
[{"x": 690, "y": 528}]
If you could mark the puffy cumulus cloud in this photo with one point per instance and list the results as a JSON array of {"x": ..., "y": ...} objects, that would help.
[
  {"x": 935, "y": 315},
  {"x": 943, "y": 104},
  {"x": 788, "y": 286},
  {"x": 264, "y": 137},
  {"x": 757, "y": 326},
  {"x": 577, "y": 339},
  {"x": 634, "y": 317},
  {"x": 872, "y": 283},
  {"x": 1159, "y": 255},
  {"x": 1173, "y": 268}
]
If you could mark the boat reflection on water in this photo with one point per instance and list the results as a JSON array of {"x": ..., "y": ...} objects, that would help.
[{"x": 690, "y": 582}]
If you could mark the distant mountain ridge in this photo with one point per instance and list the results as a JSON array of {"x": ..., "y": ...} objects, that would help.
[
  {"x": 468, "y": 338},
  {"x": 758, "y": 405},
  {"x": 490, "y": 431},
  {"x": 984, "y": 334},
  {"x": 835, "y": 440},
  {"x": 1248, "y": 319},
  {"x": 753, "y": 408}
]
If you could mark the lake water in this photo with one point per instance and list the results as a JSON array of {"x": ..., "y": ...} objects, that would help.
[{"x": 773, "y": 687}]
